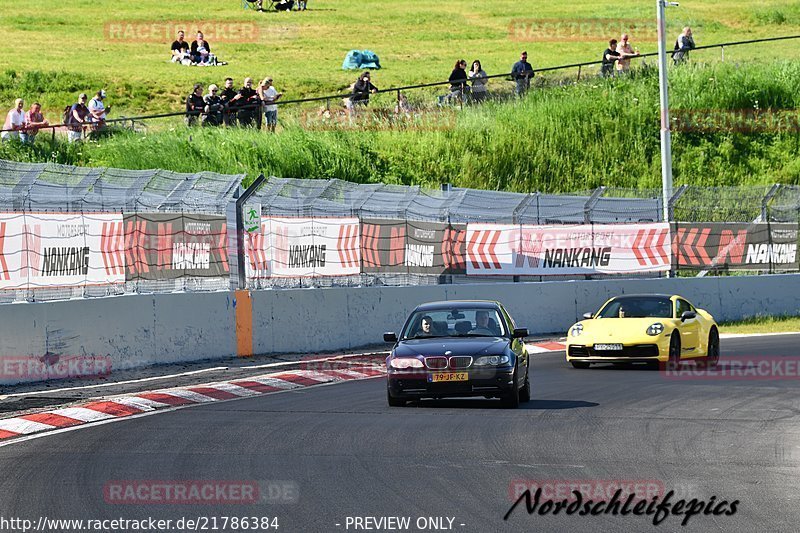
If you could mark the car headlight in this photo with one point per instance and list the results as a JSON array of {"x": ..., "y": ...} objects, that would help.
[
  {"x": 491, "y": 360},
  {"x": 655, "y": 329},
  {"x": 402, "y": 363},
  {"x": 576, "y": 330}
]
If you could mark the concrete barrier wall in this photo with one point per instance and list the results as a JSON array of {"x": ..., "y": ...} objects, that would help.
[{"x": 139, "y": 330}]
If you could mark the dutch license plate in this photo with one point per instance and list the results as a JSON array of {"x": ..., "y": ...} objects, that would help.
[
  {"x": 448, "y": 376},
  {"x": 617, "y": 347}
]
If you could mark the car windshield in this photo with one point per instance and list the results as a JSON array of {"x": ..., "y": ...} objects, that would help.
[
  {"x": 478, "y": 322},
  {"x": 637, "y": 307}
]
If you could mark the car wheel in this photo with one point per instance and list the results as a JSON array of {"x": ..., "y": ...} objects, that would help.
[
  {"x": 525, "y": 391},
  {"x": 394, "y": 402},
  {"x": 674, "y": 350},
  {"x": 511, "y": 398},
  {"x": 712, "y": 352},
  {"x": 580, "y": 364}
]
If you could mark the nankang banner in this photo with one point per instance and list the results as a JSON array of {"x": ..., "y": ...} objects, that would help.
[
  {"x": 735, "y": 246},
  {"x": 161, "y": 246},
  {"x": 525, "y": 250},
  {"x": 302, "y": 247},
  {"x": 412, "y": 247},
  {"x": 40, "y": 250}
]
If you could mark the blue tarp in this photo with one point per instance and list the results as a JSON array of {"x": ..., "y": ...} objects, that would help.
[{"x": 361, "y": 59}]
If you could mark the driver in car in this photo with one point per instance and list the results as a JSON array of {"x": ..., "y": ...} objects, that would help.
[{"x": 482, "y": 324}]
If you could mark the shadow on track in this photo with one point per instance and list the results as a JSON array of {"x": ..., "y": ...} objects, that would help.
[{"x": 472, "y": 403}]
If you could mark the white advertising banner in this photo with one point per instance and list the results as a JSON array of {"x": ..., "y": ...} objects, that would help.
[
  {"x": 303, "y": 247},
  {"x": 61, "y": 250},
  {"x": 524, "y": 250}
]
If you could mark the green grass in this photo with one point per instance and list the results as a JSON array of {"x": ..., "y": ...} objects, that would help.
[
  {"x": 56, "y": 49},
  {"x": 563, "y": 138},
  {"x": 763, "y": 324}
]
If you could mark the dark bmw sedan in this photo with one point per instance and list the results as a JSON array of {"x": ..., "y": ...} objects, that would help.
[{"x": 458, "y": 348}]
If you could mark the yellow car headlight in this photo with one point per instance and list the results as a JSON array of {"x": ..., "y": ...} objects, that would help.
[
  {"x": 576, "y": 330},
  {"x": 655, "y": 329}
]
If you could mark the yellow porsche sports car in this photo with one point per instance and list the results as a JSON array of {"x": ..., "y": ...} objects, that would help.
[{"x": 652, "y": 328}]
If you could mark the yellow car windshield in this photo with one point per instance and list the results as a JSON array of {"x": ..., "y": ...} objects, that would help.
[{"x": 637, "y": 307}]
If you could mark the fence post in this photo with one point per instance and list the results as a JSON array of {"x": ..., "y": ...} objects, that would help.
[
  {"x": 579, "y": 73},
  {"x": 768, "y": 200},
  {"x": 722, "y": 49},
  {"x": 589, "y": 205},
  {"x": 673, "y": 225},
  {"x": 240, "y": 228}
]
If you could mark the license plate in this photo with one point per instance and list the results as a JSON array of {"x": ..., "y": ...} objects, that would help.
[
  {"x": 448, "y": 376},
  {"x": 599, "y": 347}
]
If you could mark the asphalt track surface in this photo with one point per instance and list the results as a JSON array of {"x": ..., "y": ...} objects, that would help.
[{"x": 349, "y": 454}]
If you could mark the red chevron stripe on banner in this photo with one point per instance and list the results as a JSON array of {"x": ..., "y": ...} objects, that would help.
[
  {"x": 636, "y": 247},
  {"x": 3, "y": 264}
]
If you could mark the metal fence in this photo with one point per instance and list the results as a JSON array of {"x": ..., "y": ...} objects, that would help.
[{"x": 105, "y": 231}]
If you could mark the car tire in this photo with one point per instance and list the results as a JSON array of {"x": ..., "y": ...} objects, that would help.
[
  {"x": 580, "y": 364},
  {"x": 510, "y": 400},
  {"x": 394, "y": 402},
  {"x": 712, "y": 350},
  {"x": 674, "y": 360},
  {"x": 525, "y": 391}
]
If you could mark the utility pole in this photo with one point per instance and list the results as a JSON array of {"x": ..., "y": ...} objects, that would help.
[{"x": 666, "y": 139}]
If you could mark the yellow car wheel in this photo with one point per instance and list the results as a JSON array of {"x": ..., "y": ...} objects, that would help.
[{"x": 674, "y": 360}]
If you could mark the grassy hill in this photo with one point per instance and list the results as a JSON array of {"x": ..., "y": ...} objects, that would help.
[{"x": 732, "y": 127}]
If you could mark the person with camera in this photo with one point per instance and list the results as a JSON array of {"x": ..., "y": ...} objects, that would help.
[{"x": 269, "y": 95}]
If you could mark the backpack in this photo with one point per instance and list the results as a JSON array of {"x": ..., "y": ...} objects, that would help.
[{"x": 66, "y": 118}]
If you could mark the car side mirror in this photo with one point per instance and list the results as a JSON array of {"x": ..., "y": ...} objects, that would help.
[
  {"x": 588, "y": 316},
  {"x": 519, "y": 333},
  {"x": 390, "y": 336},
  {"x": 686, "y": 315}
]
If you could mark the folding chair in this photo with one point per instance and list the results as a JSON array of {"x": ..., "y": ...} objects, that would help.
[{"x": 249, "y": 4}]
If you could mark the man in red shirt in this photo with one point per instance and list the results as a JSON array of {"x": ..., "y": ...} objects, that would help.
[{"x": 33, "y": 121}]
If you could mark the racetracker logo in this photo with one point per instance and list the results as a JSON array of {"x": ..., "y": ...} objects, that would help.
[
  {"x": 736, "y": 121},
  {"x": 159, "y": 31},
  {"x": 52, "y": 366},
  {"x": 743, "y": 368},
  {"x": 564, "y": 30},
  {"x": 203, "y": 492}
]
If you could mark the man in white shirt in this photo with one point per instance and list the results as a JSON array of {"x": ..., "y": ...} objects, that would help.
[
  {"x": 15, "y": 121},
  {"x": 269, "y": 95}
]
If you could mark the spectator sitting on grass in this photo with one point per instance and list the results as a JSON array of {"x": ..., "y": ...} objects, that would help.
[
  {"x": 284, "y": 5},
  {"x": 683, "y": 44},
  {"x": 77, "y": 117},
  {"x": 212, "y": 111},
  {"x": 458, "y": 81},
  {"x": 180, "y": 50},
  {"x": 626, "y": 52},
  {"x": 33, "y": 121},
  {"x": 194, "y": 104},
  {"x": 522, "y": 72},
  {"x": 201, "y": 50},
  {"x": 479, "y": 81},
  {"x": 362, "y": 88},
  {"x": 230, "y": 100},
  {"x": 269, "y": 95},
  {"x": 610, "y": 56},
  {"x": 15, "y": 121}
]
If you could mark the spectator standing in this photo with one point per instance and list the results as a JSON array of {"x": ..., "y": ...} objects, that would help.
[
  {"x": 98, "y": 110},
  {"x": 212, "y": 111},
  {"x": 301, "y": 5},
  {"x": 683, "y": 44},
  {"x": 78, "y": 118},
  {"x": 15, "y": 121},
  {"x": 180, "y": 50},
  {"x": 610, "y": 56},
  {"x": 230, "y": 101},
  {"x": 626, "y": 52},
  {"x": 362, "y": 88},
  {"x": 458, "y": 81},
  {"x": 194, "y": 105},
  {"x": 33, "y": 121},
  {"x": 201, "y": 50},
  {"x": 249, "y": 105},
  {"x": 479, "y": 81},
  {"x": 269, "y": 95},
  {"x": 522, "y": 72}
]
